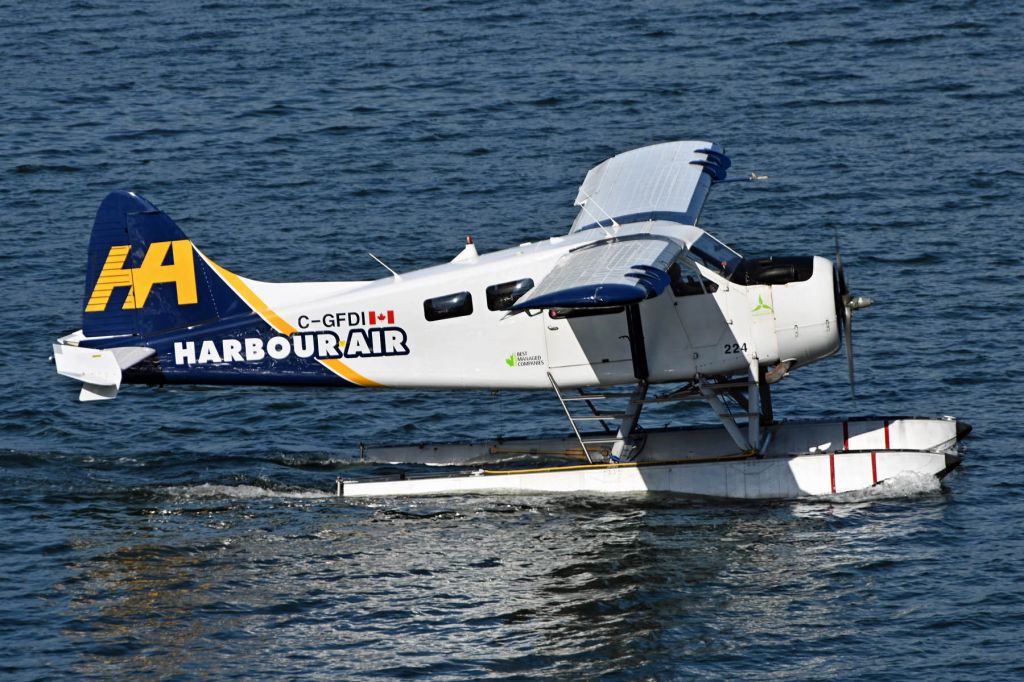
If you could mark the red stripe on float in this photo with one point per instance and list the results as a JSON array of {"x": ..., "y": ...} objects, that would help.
[
  {"x": 846, "y": 435},
  {"x": 886, "y": 434},
  {"x": 832, "y": 469},
  {"x": 874, "y": 467}
]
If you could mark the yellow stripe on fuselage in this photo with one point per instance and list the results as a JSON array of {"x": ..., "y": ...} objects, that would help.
[{"x": 278, "y": 323}]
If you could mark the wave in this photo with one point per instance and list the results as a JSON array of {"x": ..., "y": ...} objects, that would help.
[
  {"x": 907, "y": 484},
  {"x": 210, "y": 491}
]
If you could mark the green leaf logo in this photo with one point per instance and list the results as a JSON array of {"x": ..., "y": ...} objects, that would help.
[
  {"x": 761, "y": 305},
  {"x": 511, "y": 360}
]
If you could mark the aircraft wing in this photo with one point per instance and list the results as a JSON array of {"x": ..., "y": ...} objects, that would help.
[
  {"x": 606, "y": 273},
  {"x": 668, "y": 181}
]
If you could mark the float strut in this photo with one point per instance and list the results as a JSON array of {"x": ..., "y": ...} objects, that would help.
[
  {"x": 754, "y": 404},
  {"x": 625, "y": 446},
  {"x": 725, "y": 416}
]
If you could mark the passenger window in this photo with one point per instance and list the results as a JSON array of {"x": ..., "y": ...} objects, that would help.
[
  {"x": 451, "y": 305},
  {"x": 503, "y": 296}
]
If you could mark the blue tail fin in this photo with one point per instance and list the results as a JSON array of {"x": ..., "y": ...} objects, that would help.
[{"x": 144, "y": 276}]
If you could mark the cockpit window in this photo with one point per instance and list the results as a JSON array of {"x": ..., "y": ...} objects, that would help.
[
  {"x": 687, "y": 284},
  {"x": 715, "y": 255},
  {"x": 503, "y": 296}
]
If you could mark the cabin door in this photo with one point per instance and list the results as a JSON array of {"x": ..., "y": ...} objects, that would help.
[{"x": 586, "y": 339}]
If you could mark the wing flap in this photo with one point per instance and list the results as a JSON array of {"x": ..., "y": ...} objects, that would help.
[
  {"x": 668, "y": 181},
  {"x": 606, "y": 273}
]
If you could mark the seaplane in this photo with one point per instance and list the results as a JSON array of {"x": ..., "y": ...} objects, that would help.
[{"x": 636, "y": 304}]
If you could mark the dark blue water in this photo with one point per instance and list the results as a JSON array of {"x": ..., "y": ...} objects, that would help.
[{"x": 188, "y": 532}]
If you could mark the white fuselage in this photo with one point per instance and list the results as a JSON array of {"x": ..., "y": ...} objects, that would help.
[{"x": 709, "y": 334}]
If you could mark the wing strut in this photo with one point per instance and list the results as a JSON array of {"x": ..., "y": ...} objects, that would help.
[{"x": 637, "y": 348}]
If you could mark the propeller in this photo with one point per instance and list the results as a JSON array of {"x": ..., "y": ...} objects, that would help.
[{"x": 845, "y": 305}]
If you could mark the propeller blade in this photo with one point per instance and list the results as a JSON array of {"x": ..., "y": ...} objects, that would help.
[
  {"x": 848, "y": 339},
  {"x": 844, "y": 290},
  {"x": 844, "y": 313}
]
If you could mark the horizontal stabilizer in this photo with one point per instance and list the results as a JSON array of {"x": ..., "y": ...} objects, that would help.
[
  {"x": 667, "y": 181},
  {"x": 606, "y": 273},
  {"x": 91, "y": 392},
  {"x": 99, "y": 370}
]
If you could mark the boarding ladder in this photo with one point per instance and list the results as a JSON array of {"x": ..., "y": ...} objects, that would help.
[{"x": 622, "y": 442}]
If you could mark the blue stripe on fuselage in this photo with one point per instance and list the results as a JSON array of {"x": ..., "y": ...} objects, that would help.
[{"x": 237, "y": 350}]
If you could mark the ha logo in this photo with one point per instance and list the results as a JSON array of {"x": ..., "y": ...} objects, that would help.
[{"x": 140, "y": 281}]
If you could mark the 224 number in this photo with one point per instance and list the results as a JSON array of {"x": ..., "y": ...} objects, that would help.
[{"x": 731, "y": 348}]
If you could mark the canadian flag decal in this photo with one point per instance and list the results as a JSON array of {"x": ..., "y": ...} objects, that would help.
[{"x": 387, "y": 316}]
